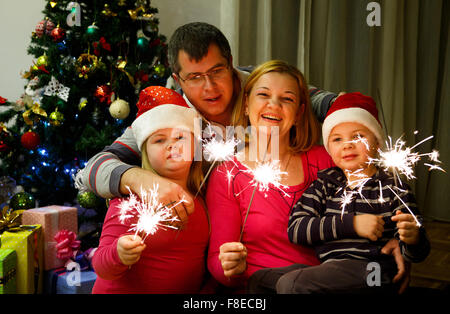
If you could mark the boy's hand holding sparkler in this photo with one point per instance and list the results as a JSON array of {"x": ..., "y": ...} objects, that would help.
[
  {"x": 129, "y": 249},
  {"x": 233, "y": 257},
  {"x": 407, "y": 227},
  {"x": 368, "y": 226}
]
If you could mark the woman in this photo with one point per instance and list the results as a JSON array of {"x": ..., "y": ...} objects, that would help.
[{"x": 276, "y": 105}]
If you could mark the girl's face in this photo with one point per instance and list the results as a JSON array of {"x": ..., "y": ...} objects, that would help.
[
  {"x": 274, "y": 102},
  {"x": 350, "y": 144},
  {"x": 170, "y": 151}
]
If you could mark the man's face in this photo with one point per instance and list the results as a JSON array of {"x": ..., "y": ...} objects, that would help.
[{"x": 211, "y": 94}]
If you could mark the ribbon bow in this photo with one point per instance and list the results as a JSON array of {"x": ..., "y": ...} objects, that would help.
[
  {"x": 2, "y": 100},
  {"x": 9, "y": 219},
  {"x": 56, "y": 88},
  {"x": 66, "y": 244},
  {"x": 36, "y": 109}
]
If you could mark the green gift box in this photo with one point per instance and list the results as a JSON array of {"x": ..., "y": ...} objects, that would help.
[
  {"x": 27, "y": 242},
  {"x": 8, "y": 263}
]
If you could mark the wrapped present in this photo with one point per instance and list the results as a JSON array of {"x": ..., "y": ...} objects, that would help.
[
  {"x": 53, "y": 219},
  {"x": 8, "y": 264},
  {"x": 62, "y": 281},
  {"x": 27, "y": 242}
]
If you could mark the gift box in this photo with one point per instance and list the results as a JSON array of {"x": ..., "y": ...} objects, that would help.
[
  {"x": 53, "y": 219},
  {"x": 28, "y": 245},
  {"x": 61, "y": 281},
  {"x": 8, "y": 264}
]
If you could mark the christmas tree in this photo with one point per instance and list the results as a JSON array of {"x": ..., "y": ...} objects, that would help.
[{"x": 92, "y": 58}]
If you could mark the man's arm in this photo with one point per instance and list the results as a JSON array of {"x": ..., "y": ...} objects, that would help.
[
  {"x": 103, "y": 171},
  {"x": 321, "y": 101}
]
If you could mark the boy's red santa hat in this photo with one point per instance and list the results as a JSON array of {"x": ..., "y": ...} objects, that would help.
[
  {"x": 161, "y": 108},
  {"x": 353, "y": 107}
]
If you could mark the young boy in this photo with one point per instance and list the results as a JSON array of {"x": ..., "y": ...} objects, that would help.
[{"x": 347, "y": 241}]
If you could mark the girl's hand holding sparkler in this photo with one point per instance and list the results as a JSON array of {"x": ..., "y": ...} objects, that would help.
[
  {"x": 129, "y": 249},
  {"x": 368, "y": 226},
  {"x": 233, "y": 257},
  {"x": 407, "y": 227}
]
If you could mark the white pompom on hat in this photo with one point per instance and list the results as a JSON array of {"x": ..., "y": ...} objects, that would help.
[
  {"x": 161, "y": 108},
  {"x": 353, "y": 107}
]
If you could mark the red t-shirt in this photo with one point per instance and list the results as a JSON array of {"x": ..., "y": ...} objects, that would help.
[
  {"x": 172, "y": 262},
  {"x": 265, "y": 233}
]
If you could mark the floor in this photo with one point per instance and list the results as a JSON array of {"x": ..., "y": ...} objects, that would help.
[{"x": 434, "y": 272}]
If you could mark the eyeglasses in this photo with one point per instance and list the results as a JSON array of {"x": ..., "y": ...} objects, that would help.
[{"x": 198, "y": 80}]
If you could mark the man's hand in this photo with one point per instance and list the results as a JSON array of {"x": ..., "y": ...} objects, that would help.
[
  {"x": 404, "y": 268},
  {"x": 169, "y": 192}
]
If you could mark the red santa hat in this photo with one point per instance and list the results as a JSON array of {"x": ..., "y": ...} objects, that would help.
[
  {"x": 161, "y": 108},
  {"x": 353, "y": 107}
]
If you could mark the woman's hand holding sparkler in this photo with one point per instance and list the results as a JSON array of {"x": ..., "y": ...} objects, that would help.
[
  {"x": 233, "y": 258},
  {"x": 368, "y": 226},
  {"x": 138, "y": 179},
  {"x": 407, "y": 227},
  {"x": 129, "y": 249}
]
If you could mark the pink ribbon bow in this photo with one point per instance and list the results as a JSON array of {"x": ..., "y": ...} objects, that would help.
[{"x": 66, "y": 244}]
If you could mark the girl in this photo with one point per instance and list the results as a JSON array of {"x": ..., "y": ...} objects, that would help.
[{"x": 169, "y": 261}]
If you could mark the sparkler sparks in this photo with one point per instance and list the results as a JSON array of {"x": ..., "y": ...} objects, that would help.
[{"x": 150, "y": 212}]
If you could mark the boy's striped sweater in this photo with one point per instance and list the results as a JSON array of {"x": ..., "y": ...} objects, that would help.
[{"x": 316, "y": 218}]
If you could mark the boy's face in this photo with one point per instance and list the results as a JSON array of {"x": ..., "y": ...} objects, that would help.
[
  {"x": 350, "y": 144},
  {"x": 211, "y": 94},
  {"x": 170, "y": 152}
]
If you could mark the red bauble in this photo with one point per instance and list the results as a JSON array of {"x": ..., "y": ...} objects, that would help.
[
  {"x": 103, "y": 93},
  {"x": 58, "y": 34},
  {"x": 30, "y": 140},
  {"x": 44, "y": 26}
]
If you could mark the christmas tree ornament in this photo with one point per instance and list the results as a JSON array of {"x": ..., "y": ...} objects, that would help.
[
  {"x": 30, "y": 140},
  {"x": 142, "y": 42},
  {"x": 122, "y": 3},
  {"x": 103, "y": 93},
  {"x": 92, "y": 31},
  {"x": 74, "y": 17},
  {"x": 22, "y": 201},
  {"x": 86, "y": 64},
  {"x": 107, "y": 11},
  {"x": 87, "y": 199},
  {"x": 83, "y": 103},
  {"x": 159, "y": 69},
  {"x": 5, "y": 138},
  {"x": 34, "y": 114},
  {"x": 42, "y": 60},
  {"x": 58, "y": 34},
  {"x": 119, "y": 109},
  {"x": 53, "y": 3},
  {"x": 44, "y": 27},
  {"x": 55, "y": 88},
  {"x": 56, "y": 118}
]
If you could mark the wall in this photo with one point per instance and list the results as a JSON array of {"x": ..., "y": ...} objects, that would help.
[{"x": 18, "y": 20}]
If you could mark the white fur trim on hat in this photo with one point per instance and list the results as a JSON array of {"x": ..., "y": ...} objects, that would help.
[
  {"x": 162, "y": 117},
  {"x": 354, "y": 114}
]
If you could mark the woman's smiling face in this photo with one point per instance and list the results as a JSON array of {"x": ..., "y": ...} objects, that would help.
[{"x": 274, "y": 102}]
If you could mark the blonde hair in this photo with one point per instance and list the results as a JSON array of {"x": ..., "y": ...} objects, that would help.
[
  {"x": 195, "y": 176},
  {"x": 305, "y": 133}
]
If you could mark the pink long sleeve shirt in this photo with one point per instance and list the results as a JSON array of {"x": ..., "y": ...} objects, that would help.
[
  {"x": 172, "y": 262},
  {"x": 265, "y": 232}
]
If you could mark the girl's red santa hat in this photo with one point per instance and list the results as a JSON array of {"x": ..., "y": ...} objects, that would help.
[
  {"x": 161, "y": 108},
  {"x": 353, "y": 107}
]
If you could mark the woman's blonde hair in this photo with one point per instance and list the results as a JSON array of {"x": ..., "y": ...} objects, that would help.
[
  {"x": 306, "y": 131},
  {"x": 195, "y": 176}
]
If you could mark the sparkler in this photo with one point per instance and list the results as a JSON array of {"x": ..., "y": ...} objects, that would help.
[
  {"x": 215, "y": 150},
  {"x": 264, "y": 175},
  {"x": 150, "y": 212}
]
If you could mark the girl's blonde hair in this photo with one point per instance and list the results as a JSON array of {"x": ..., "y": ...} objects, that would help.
[
  {"x": 195, "y": 176},
  {"x": 305, "y": 133}
]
